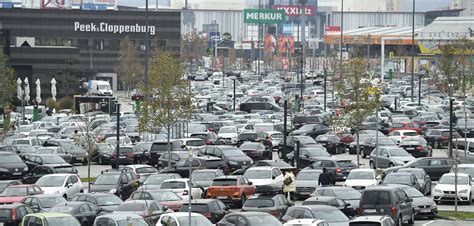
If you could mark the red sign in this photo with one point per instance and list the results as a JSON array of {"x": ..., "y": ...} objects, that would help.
[
  {"x": 295, "y": 10},
  {"x": 330, "y": 29}
]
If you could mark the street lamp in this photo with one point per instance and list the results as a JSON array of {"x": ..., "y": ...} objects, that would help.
[
  {"x": 450, "y": 146},
  {"x": 412, "y": 51},
  {"x": 118, "y": 134}
]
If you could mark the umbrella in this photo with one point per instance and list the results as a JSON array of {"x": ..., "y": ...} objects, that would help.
[
  {"x": 18, "y": 88},
  {"x": 38, "y": 91},
  {"x": 27, "y": 90},
  {"x": 53, "y": 88}
]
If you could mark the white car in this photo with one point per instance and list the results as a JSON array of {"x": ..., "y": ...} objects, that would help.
[
  {"x": 228, "y": 133},
  {"x": 264, "y": 175},
  {"x": 181, "y": 188},
  {"x": 399, "y": 135},
  {"x": 62, "y": 184},
  {"x": 182, "y": 219},
  {"x": 361, "y": 179},
  {"x": 143, "y": 171},
  {"x": 444, "y": 190},
  {"x": 306, "y": 222}
]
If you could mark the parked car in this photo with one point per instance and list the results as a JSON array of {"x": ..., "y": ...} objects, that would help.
[
  {"x": 204, "y": 177},
  {"x": 435, "y": 167},
  {"x": 208, "y": 137},
  {"x": 16, "y": 193},
  {"x": 416, "y": 146},
  {"x": 361, "y": 179},
  {"x": 166, "y": 198},
  {"x": 55, "y": 218},
  {"x": 306, "y": 222},
  {"x": 439, "y": 138},
  {"x": 249, "y": 219},
  {"x": 398, "y": 135},
  {"x": 312, "y": 130},
  {"x": 338, "y": 168},
  {"x": 304, "y": 141},
  {"x": 405, "y": 178},
  {"x": 65, "y": 185},
  {"x": 173, "y": 157},
  {"x": 445, "y": 189},
  {"x": 233, "y": 157},
  {"x": 118, "y": 182},
  {"x": 150, "y": 210},
  {"x": 391, "y": 156},
  {"x": 203, "y": 162},
  {"x": 424, "y": 179},
  {"x": 154, "y": 182},
  {"x": 280, "y": 164},
  {"x": 274, "y": 204},
  {"x": 424, "y": 206},
  {"x": 212, "y": 209},
  {"x": 332, "y": 143},
  {"x": 12, "y": 167},
  {"x": 142, "y": 171},
  {"x": 106, "y": 202},
  {"x": 84, "y": 212},
  {"x": 45, "y": 160},
  {"x": 369, "y": 145},
  {"x": 232, "y": 190},
  {"x": 308, "y": 155},
  {"x": 344, "y": 207},
  {"x": 264, "y": 175},
  {"x": 256, "y": 151},
  {"x": 160, "y": 147},
  {"x": 39, "y": 171},
  {"x": 120, "y": 219},
  {"x": 12, "y": 214},
  {"x": 381, "y": 220},
  {"x": 182, "y": 219},
  {"x": 330, "y": 214},
  {"x": 5, "y": 183},
  {"x": 182, "y": 189},
  {"x": 405, "y": 126},
  {"x": 306, "y": 182},
  {"x": 380, "y": 200}
]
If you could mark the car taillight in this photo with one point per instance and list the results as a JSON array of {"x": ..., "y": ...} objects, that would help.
[
  {"x": 394, "y": 210},
  {"x": 130, "y": 155},
  {"x": 420, "y": 148},
  {"x": 13, "y": 214},
  {"x": 275, "y": 213},
  {"x": 208, "y": 142},
  {"x": 444, "y": 138},
  {"x": 403, "y": 137},
  {"x": 208, "y": 215},
  {"x": 338, "y": 170},
  {"x": 185, "y": 192},
  {"x": 270, "y": 138},
  {"x": 360, "y": 211}
]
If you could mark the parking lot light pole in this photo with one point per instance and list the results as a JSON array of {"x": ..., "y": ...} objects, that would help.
[
  {"x": 190, "y": 183},
  {"x": 118, "y": 134},
  {"x": 325, "y": 87},
  {"x": 450, "y": 145},
  {"x": 234, "y": 94}
]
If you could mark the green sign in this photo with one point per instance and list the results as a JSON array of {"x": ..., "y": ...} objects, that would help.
[{"x": 264, "y": 16}]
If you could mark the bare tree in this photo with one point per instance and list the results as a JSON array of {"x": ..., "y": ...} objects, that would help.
[{"x": 130, "y": 66}]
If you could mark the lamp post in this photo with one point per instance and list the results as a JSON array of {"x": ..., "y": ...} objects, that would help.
[
  {"x": 450, "y": 146},
  {"x": 118, "y": 134},
  {"x": 190, "y": 184},
  {"x": 413, "y": 51},
  {"x": 145, "y": 82},
  {"x": 302, "y": 44}
]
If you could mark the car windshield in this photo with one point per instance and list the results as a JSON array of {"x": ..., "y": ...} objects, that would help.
[
  {"x": 411, "y": 142},
  {"x": 386, "y": 141},
  {"x": 146, "y": 170},
  {"x": 331, "y": 215},
  {"x": 134, "y": 222},
  {"x": 131, "y": 207},
  {"x": 195, "y": 143},
  {"x": 108, "y": 200},
  {"x": 53, "y": 159},
  {"x": 263, "y": 220},
  {"x": 315, "y": 152},
  {"x": 164, "y": 196},
  {"x": 418, "y": 173},
  {"x": 62, "y": 209},
  {"x": 195, "y": 221},
  {"x": 462, "y": 123},
  {"x": 398, "y": 152},
  {"x": 361, "y": 175},
  {"x": 196, "y": 207},
  {"x": 10, "y": 159},
  {"x": 258, "y": 174},
  {"x": 259, "y": 202},
  {"x": 466, "y": 170},
  {"x": 14, "y": 191},
  {"x": 224, "y": 182},
  {"x": 156, "y": 180},
  {"x": 345, "y": 163},
  {"x": 397, "y": 179},
  {"x": 376, "y": 197},
  {"x": 45, "y": 150},
  {"x": 347, "y": 194},
  {"x": 69, "y": 220},
  {"x": 233, "y": 152},
  {"x": 306, "y": 140},
  {"x": 50, "y": 201},
  {"x": 228, "y": 130},
  {"x": 51, "y": 181},
  {"x": 410, "y": 134},
  {"x": 173, "y": 185},
  {"x": 308, "y": 175},
  {"x": 449, "y": 179},
  {"x": 203, "y": 176},
  {"x": 413, "y": 192},
  {"x": 107, "y": 179}
]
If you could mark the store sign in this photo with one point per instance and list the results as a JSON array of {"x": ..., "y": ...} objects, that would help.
[
  {"x": 291, "y": 10},
  {"x": 332, "y": 29},
  {"x": 113, "y": 28},
  {"x": 264, "y": 16}
]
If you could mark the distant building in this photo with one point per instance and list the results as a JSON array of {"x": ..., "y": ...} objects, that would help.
[
  {"x": 430, "y": 16},
  {"x": 467, "y": 5}
]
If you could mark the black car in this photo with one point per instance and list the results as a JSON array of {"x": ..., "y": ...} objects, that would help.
[
  {"x": 45, "y": 160},
  {"x": 119, "y": 182},
  {"x": 43, "y": 203},
  {"x": 208, "y": 137},
  {"x": 39, "y": 171},
  {"x": 160, "y": 147},
  {"x": 256, "y": 151},
  {"x": 274, "y": 204},
  {"x": 439, "y": 138},
  {"x": 212, "y": 209},
  {"x": 232, "y": 156},
  {"x": 348, "y": 194},
  {"x": 416, "y": 146},
  {"x": 204, "y": 162},
  {"x": 312, "y": 130},
  {"x": 299, "y": 121},
  {"x": 128, "y": 155},
  {"x": 280, "y": 164},
  {"x": 304, "y": 141},
  {"x": 340, "y": 204},
  {"x": 12, "y": 214},
  {"x": 175, "y": 157},
  {"x": 465, "y": 128},
  {"x": 369, "y": 145},
  {"x": 12, "y": 167},
  {"x": 338, "y": 168},
  {"x": 353, "y": 144},
  {"x": 435, "y": 167},
  {"x": 5, "y": 183},
  {"x": 84, "y": 212},
  {"x": 325, "y": 212},
  {"x": 248, "y": 219},
  {"x": 332, "y": 143},
  {"x": 104, "y": 153},
  {"x": 308, "y": 155},
  {"x": 246, "y": 136},
  {"x": 423, "y": 179},
  {"x": 106, "y": 202}
]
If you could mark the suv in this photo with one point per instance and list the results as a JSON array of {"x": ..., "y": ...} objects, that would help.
[
  {"x": 212, "y": 209},
  {"x": 391, "y": 200},
  {"x": 160, "y": 147},
  {"x": 182, "y": 166},
  {"x": 338, "y": 168},
  {"x": 119, "y": 182},
  {"x": 232, "y": 156}
]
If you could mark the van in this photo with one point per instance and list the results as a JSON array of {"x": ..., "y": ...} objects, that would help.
[
  {"x": 99, "y": 88},
  {"x": 388, "y": 200}
]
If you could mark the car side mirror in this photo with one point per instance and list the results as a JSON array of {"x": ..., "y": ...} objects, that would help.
[
  {"x": 250, "y": 183},
  {"x": 348, "y": 205},
  {"x": 68, "y": 185},
  {"x": 183, "y": 146},
  {"x": 164, "y": 208},
  {"x": 226, "y": 208},
  {"x": 379, "y": 177},
  {"x": 273, "y": 177},
  {"x": 409, "y": 200}
]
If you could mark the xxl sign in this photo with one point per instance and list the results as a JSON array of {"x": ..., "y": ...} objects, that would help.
[
  {"x": 113, "y": 28},
  {"x": 296, "y": 10},
  {"x": 264, "y": 16}
]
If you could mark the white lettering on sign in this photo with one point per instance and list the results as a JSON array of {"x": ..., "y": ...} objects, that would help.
[
  {"x": 113, "y": 28},
  {"x": 264, "y": 16},
  {"x": 295, "y": 10}
]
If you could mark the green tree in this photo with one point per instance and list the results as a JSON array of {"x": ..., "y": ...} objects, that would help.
[
  {"x": 7, "y": 89},
  {"x": 450, "y": 67},
  {"x": 169, "y": 99},
  {"x": 193, "y": 47},
  {"x": 130, "y": 66},
  {"x": 359, "y": 97}
]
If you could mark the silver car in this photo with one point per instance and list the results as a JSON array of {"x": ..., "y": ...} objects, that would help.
[
  {"x": 385, "y": 157},
  {"x": 307, "y": 182}
]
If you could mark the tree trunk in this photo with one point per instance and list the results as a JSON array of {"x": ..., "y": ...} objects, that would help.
[
  {"x": 358, "y": 147},
  {"x": 169, "y": 146},
  {"x": 89, "y": 158}
]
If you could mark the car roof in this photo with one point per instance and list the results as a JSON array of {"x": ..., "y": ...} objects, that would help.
[
  {"x": 49, "y": 214},
  {"x": 400, "y": 174},
  {"x": 72, "y": 203},
  {"x": 12, "y": 205},
  {"x": 228, "y": 177},
  {"x": 363, "y": 170},
  {"x": 261, "y": 168},
  {"x": 177, "y": 179},
  {"x": 200, "y": 201},
  {"x": 181, "y": 214},
  {"x": 23, "y": 186},
  {"x": 120, "y": 216},
  {"x": 321, "y": 198},
  {"x": 317, "y": 207},
  {"x": 466, "y": 165},
  {"x": 139, "y": 201},
  {"x": 459, "y": 174},
  {"x": 369, "y": 218},
  {"x": 388, "y": 187}
]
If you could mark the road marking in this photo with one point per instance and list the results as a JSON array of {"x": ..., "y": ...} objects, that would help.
[{"x": 427, "y": 223}]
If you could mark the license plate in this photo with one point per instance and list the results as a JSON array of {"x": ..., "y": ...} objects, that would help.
[
  {"x": 370, "y": 211},
  {"x": 14, "y": 174},
  {"x": 304, "y": 193},
  {"x": 221, "y": 197},
  {"x": 425, "y": 211},
  {"x": 449, "y": 195},
  {"x": 122, "y": 157},
  {"x": 410, "y": 148}
]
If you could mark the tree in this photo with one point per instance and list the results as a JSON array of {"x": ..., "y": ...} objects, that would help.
[
  {"x": 129, "y": 67},
  {"x": 193, "y": 47},
  {"x": 168, "y": 98},
  {"x": 68, "y": 79},
  {"x": 358, "y": 97},
  {"x": 449, "y": 66},
  {"x": 7, "y": 89},
  {"x": 85, "y": 138}
]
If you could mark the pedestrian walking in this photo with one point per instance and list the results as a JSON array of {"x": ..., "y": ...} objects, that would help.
[
  {"x": 325, "y": 179},
  {"x": 289, "y": 184}
]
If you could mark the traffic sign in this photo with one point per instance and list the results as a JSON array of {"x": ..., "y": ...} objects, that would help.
[
  {"x": 214, "y": 36},
  {"x": 264, "y": 16}
]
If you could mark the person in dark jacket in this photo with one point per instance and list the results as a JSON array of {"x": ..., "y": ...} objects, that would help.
[{"x": 325, "y": 179}]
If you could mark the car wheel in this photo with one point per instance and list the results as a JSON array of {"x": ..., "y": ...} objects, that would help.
[
  {"x": 390, "y": 165},
  {"x": 412, "y": 217},
  {"x": 84, "y": 223},
  {"x": 101, "y": 161},
  {"x": 400, "y": 220},
  {"x": 372, "y": 165},
  {"x": 160, "y": 167},
  {"x": 470, "y": 199},
  {"x": 438, "y": 144},
  {"x": 280, "y": 154}
]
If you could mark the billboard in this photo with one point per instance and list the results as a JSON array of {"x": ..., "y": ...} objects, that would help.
[
  {"x": 53, "y": 4},
  {"x": 291, "y": 10},
  {"x": 94, "y": 4},
  {"x": 10, "y": 4},
  {"x": 264, "y": 16}
]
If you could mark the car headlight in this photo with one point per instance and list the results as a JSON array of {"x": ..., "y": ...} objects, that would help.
[
  {"x": 113, "y": 191},
  {"x": 233, "y": 163},
  {"x": 437, "y": 191},
  {"x": 464, "y": 191},
  {"x": 25, "y": 169},
  {"x": 4, "y": 170},
  {"x": 434, "y": 206}
]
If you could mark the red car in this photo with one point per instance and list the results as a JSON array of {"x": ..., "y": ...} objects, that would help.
[
  {"x": 406, "y": 126},
  {"x": 16, "y": 193}
]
